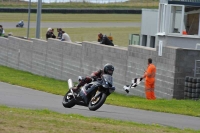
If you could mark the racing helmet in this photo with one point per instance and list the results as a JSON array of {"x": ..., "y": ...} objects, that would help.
[{"x": 108, "y": 69}]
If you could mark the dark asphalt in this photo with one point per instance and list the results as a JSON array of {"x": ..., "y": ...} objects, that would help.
[
  {"x": 7, "y": 25},
  {"x": 16, "y": 96}
]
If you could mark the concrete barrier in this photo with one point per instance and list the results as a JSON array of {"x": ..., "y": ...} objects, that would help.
[
  {"x": 39, "y": 55},
  {"x": 63, "y": 60},
  {"x": 4, "y": 51}
]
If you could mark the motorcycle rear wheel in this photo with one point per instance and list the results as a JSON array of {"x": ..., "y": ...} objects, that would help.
[
  {"x": 101, "y": 99},
  {"x": 68, "y": 100}
]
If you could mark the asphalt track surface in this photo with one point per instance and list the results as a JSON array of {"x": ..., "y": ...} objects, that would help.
[
  {"x": 7, "y": 25},
  {"x": 21, "y": 97}
]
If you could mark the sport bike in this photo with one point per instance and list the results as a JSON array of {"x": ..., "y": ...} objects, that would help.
[{"x": 92, "y": 95}]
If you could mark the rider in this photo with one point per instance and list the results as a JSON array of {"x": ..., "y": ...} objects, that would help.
[
  {"x": 21, "y": 23},
  {"x": 108, "y": 69}
]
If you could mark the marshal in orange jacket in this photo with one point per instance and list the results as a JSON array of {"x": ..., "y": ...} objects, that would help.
[{"x": 149, "y": 76}]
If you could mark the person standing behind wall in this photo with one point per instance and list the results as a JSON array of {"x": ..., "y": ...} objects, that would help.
[
  {"x": 65, "y": 37},
  {"x": 149, "y": 76},
  {"x": 59, "y": 30},
  {"x": 49, "y": 33},
  {"x": 1, "y": 31},
  {"x": 103, "y": 39},
  {"x": 53, "y": 36}
]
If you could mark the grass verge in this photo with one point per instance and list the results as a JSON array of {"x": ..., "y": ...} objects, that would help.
[
  {"x": 58, "y": 17},
  {"x": 185, "y": 107},
  {"x": 45, "y": 121}
]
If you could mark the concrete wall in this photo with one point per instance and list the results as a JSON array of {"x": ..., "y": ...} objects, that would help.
[
  {"x": 39, "y": 55},
  {"x": 62, "y": 60},
  {"x": 72, "y": 61},
  {"x": 95, "y": 56},
  {"x": 3, "y": 51},
  {"x": 184, "y": 67},
  {"x": 137, "y": 61}
]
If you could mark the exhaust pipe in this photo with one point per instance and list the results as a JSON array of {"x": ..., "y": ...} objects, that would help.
[{"x": 70, "y": 83}]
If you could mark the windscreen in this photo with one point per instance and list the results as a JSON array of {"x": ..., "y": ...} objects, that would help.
[{"x": 108, "y": 79}]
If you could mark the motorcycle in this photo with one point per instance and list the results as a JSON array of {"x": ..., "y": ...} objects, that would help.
[
  {"x": 20, "y": 25},
  {"x": 92, "y": 95}
]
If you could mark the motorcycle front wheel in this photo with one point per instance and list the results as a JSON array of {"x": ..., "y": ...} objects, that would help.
[
  {"x": 68, "y": 100},
  {"x": 95, "y": 104}
]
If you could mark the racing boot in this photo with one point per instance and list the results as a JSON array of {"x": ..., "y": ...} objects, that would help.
[{"x": 75, "y": 90}]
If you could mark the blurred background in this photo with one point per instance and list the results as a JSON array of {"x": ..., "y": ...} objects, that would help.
[
  {"x": 84, "y": 3},
  {"x": 120, "y": 34}
]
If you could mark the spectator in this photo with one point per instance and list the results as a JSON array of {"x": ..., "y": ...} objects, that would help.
[
  {"x": 149, "y": 76},
  {"x": 65, "y": 37},
  {"x": 103, "y": 39},
  {"x": 50, "y": 34},
  {"x": 2, "y": 32},
  {"x": 53, "y": 36},
  {"x": 59, "y": 30}
]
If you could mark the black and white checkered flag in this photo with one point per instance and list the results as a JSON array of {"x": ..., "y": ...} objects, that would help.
[{"x": 135, "y": 82}]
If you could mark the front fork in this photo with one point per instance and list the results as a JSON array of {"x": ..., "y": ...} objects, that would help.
[
  {"x": 83, "y": 93},
  {"x": 98, "y": 93}
]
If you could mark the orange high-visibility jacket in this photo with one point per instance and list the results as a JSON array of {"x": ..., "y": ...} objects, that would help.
[{"x": 150, "y": 74}]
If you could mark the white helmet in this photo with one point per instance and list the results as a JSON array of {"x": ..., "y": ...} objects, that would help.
[{"x": 49, "y": 29}]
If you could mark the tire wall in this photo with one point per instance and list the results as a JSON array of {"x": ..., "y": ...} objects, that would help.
[
  {"x": 192, "y": 88},
  {"x": 67, "y": 10}
]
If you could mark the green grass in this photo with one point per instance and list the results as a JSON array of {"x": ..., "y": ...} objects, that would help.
[
  {"x": 27, "y": 79},
  {"x": 58, "y": 17},
  {"x": 129, "y": 4},
  {"x": 185, "y": 107},
  {"x": 120, "y": 34},
  {"x": 14, "y": 120}
]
